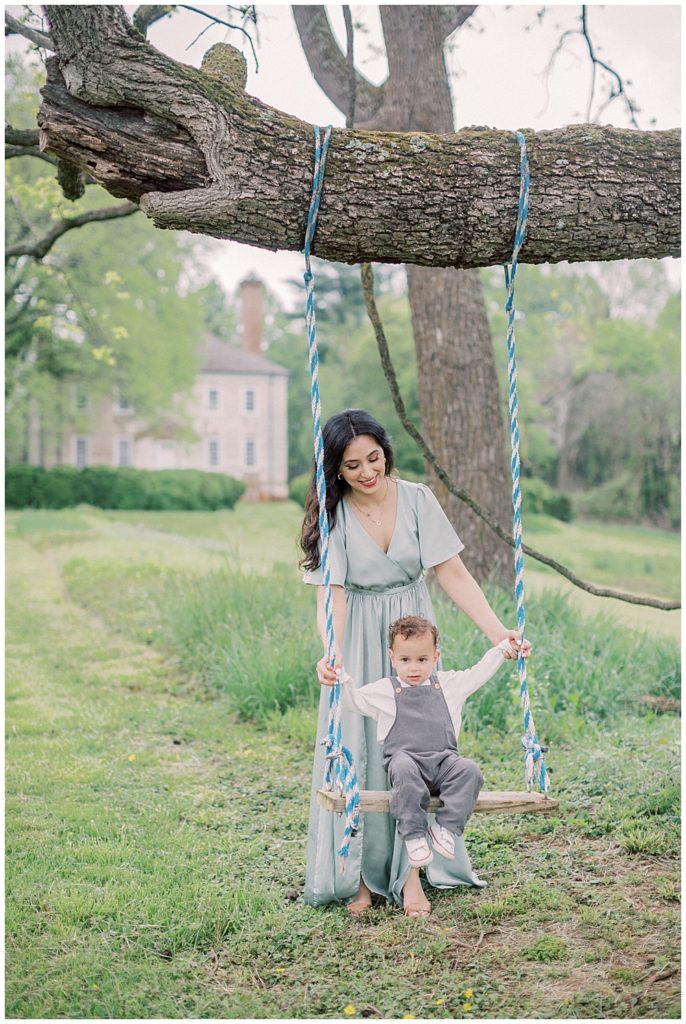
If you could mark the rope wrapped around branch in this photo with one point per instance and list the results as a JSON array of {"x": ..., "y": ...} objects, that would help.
[{"x": 340, "y": 769}]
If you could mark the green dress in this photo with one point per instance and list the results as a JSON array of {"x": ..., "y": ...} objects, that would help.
[{"x": 380, "y": 587}]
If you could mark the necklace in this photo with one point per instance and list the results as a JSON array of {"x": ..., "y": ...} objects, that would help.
[{"x": 377, "y": 522}]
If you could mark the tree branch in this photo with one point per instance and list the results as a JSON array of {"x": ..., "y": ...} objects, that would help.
[
  {"x": 437, "y": 200},
  {"x": 455, "y": 17},
  {"x": 14, "y": 27},
  {"x": 616, "y": 91},
  {"x": 329, "y": 66},
  {"x": 14, "y": 151},
  {"x": 40, "y": 248},
  {"x": 147, "y": 14},
  {"x": 392, "y": 380}
]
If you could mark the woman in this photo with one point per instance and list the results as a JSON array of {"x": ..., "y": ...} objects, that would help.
[{"x": 385, "y": 533}]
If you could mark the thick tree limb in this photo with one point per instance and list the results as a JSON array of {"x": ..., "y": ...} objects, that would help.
[
  {"x": 484, "y": 514},
  {"x": 14, "y": 27},
  {"x": 43, "y": 246},
  {"x": 439, "y": 200},
  {"x": 329, "y": 66},
  {"x": 436, "y": 200}
]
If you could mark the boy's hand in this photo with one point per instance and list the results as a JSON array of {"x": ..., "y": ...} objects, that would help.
[{"x": 327, "y": 675}]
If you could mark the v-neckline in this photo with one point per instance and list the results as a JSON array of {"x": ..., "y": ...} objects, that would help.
[{"x": 367, "y": 534}]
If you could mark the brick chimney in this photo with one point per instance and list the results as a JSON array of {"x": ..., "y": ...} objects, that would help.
[{"x": 251, "y": 313}]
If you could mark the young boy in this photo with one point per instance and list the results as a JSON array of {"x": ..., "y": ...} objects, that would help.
[{"x": 418, "y": 715}]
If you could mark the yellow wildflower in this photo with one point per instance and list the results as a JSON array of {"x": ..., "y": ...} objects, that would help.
[
  {"x": 132, "y": 757},
  {"x": 440, "y": 1002},
  {"x": 409, "y": 1016},
  {"x": 349, "y": 1010},
  {"x": 468, "y": 993},
  {"x": 466, "y": 1007}
]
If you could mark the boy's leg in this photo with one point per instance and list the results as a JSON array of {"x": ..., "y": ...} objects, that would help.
[
  {"x": 458, "y": 782},
  {"x": 409, "y": 796}
]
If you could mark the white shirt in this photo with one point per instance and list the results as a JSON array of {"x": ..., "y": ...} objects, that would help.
[{"x": 377, "y": 700}]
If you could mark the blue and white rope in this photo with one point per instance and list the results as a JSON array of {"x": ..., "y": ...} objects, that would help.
[
  {"x": 533, "y": 756},
  {"x": 340, "y": 770}
]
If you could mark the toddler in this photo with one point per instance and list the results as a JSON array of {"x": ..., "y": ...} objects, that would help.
[{"x": 418, "y": 715}]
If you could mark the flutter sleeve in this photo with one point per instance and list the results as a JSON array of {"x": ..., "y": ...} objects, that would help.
[
  {"x": 338, "y": 558},
  {"x": 437, "y": 539}
]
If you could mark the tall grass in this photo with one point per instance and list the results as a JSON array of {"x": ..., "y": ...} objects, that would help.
[
  {"x": 250, "y": 636},
  {"x": 254, "y": 638}
]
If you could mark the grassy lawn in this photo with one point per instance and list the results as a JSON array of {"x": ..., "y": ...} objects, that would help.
[
  {"x": 628, "y": 558},
  {"x": 155, "y": 841}
]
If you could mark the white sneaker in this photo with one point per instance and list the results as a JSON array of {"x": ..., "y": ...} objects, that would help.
[
  {"x": 443, "y": 841},
  {"x": 418, "y": 851}
]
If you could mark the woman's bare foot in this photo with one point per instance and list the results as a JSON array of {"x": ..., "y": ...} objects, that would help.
[
  {"x": 362, "y": 901},
  {"x": 415, "y": 903}
]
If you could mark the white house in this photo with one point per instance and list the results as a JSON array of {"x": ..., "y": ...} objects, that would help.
[{"x": 237, "y": 410}]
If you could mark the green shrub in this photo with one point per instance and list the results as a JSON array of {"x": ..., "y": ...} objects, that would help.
[
  {"x": 58, "y": 488},
  {"x": 22, "y": 486},
  {"x": 540, "y": 497},
  {"x": 298, "y": 487},
  {"x": 125, "y": 488},
  {"x": 617, "y": 499}
]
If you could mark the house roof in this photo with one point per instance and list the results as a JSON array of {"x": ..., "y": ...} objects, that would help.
[{"x": 218, "y": 356}]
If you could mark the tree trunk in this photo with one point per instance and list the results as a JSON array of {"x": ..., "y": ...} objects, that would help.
[
  {"x": 458, "y": 383},
  {"x": 199, "y": 155}
]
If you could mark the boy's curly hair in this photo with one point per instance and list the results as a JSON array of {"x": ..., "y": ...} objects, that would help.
[{"x": 411, "y": 625}]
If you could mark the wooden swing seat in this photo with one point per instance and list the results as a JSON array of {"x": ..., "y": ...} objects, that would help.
[{"x": 376, "y": 800}]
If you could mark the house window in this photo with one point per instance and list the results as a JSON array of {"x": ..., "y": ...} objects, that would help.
[
  {"x": 81, "y": 454},
  {"x": 250, "y": 400},
  {"x": 250, "y": 453},
  {"x": 213, "y": 452},
  {"x": 82, "y": 402},
  {"x": 213, "y": 400},
  {"x": 122, "y": 406},
  {"x": 124, "y": 452}
]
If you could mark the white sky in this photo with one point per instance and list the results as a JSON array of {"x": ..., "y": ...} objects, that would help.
[
  {"x": 496, "y": 62},
  {"x": 496, "y": 74}
]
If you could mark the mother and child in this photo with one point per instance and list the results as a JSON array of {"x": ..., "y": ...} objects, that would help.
[{"x": 385, "y": 534}]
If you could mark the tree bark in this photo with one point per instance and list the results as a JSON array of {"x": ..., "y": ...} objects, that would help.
[{"x": 199, "y": 155}]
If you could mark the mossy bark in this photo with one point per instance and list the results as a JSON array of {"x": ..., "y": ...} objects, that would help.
[{"x": 244, "y": 169}]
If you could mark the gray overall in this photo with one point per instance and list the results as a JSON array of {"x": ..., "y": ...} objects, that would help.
[{"x": 421, "y": 758}]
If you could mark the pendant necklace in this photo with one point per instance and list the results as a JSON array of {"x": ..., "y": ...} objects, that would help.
[{"x": 377, "y": 522}]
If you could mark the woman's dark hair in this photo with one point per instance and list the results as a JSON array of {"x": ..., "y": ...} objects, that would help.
[{"x": 338, "y": 432}]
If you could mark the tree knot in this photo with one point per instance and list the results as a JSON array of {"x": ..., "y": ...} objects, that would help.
[{"x": 225, "y": 62}]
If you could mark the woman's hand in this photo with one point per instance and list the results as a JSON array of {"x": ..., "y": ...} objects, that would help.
[
  {"x": 515, "y": 638},
  {"x": 326, "y": 675}
]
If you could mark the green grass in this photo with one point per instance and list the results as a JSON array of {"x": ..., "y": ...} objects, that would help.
[
  {"x": 155, "y": 843},
  {"x": 633, "y": 559}
]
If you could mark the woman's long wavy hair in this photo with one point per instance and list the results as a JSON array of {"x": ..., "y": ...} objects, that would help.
[{"x": 338, "y": 432}]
